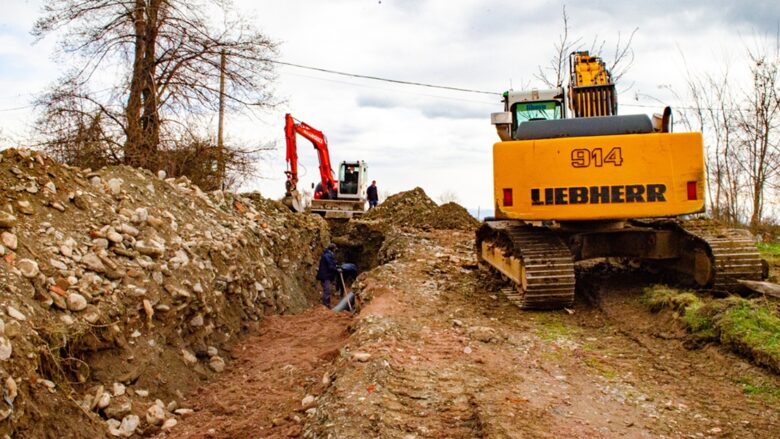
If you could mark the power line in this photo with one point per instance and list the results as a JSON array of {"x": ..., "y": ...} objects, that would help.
[
  {"x": 376, "y": 78},
  {"x": 354, "y": 84}
]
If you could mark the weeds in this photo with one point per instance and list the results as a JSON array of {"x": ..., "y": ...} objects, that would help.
[
  {"x": 751, "y": 387},
  {"x": 745, "y": 326}
]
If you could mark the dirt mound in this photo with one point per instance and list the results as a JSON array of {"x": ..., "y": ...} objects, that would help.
[
  {"x": 453, "y": 216},
  {"x": 415, "y": 209},
  {"x": 120, "y": 290}
]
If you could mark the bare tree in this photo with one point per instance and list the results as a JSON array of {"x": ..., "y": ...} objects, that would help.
[
  {"x": 167, "y": 54},
  {"x": 555, "y": 72},
  {"x": 741, "y": 129},
  {"x": 712, "y": 113},
  {"x": 448, "y": 196},
  {"x": 760, "y": 124}
]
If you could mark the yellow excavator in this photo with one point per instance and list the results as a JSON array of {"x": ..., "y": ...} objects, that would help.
[{"x": 588, "y": 183}]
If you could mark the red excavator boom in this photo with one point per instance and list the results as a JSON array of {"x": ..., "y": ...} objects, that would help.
[{"x": 317, "y": 138}]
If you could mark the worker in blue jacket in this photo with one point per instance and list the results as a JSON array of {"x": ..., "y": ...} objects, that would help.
[{"x": 327, "y": 272}]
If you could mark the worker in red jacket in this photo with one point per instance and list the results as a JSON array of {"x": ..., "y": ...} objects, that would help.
[{"x": 327, "y": 272}]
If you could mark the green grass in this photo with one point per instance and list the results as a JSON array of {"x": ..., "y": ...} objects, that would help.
[
  {"x": 751, "y": 387},
  {"x": 747, "y": 327},
  {"x": 658, "y": 297},
  {"x": 599, "y": 366},
  {"x": 752, "y": 328},
  {"x": 769, "y": 249},
  {"x": 551, "y": 327}
]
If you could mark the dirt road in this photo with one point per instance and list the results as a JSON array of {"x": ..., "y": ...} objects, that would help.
[{"x": 438, "y": 352}]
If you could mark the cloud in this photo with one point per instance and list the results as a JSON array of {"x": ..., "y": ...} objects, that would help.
[{"x": 431, "y": 107}]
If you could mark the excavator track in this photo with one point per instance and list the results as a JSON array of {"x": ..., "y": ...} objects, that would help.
[
  {"x": 534, "y": 258},
  {"x": 734, "y": 252}
]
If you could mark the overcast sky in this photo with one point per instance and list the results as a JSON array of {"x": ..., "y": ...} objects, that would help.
[{"x": 412, "y": 136}]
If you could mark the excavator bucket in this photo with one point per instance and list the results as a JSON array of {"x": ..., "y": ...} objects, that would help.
[{"x": 293, "y": 201}]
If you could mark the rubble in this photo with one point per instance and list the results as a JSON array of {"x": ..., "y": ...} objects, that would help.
[{"x": 109, "y": 275}]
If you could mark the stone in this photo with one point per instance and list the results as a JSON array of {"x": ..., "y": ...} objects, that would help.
[
  {"x": 155, "y": 414},
  {"x": 197, "y": 321},
  {"x": 118, "y": 409},
  {"x": 482, "y": 333},
  {"x": 28, "y": 267},
  {"x": 161, "y": 174},
  {"x": 7, "y": 220},
  {"x": 93, "y": 262},
  {"x": 95, "y": 180},
  {"x": 361, "y": 356},
  {"x": 32, "y": 187},
  {"x": 140, "y": 216},
  {"x": 113, "y": 427},
  {"x": 25, "y": 207},
  {"x": 217, "y": 364},
  {"x": 129, "y": 425},
  {"x": 59, "y": 265},
  {"x": 115, "y": 186},
  {"x": 56, "y": 205},
  {"x": 9, "y": 240},
  {"x": 5, "y": 348},
  {"x": 189, "y": 357},
  {"x": 307, "y": 401},
  {"x": 76, "y": 302},
  {"x": 11, "y": 389},
  {"x": 15, "y": 313},
  {"x": 114, "y": 236},
  {"x": 103, "y": 400},
  {"x": 154, "y": 251},
  {"x": 66, "y": 250},
  {"x": 169, "y": 423},
  {"x": 129, "y": 230},
  {"x": 184, "y": 412},
  {"x": 50, "y": 187},
  {"x": 212, "y": 351}
]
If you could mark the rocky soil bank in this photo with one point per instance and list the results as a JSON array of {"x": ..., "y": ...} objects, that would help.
[{"x": 121, "y": 290}]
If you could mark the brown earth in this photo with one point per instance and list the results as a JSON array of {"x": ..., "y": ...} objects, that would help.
[
  {"x": 438, "y": 352},
  {"x": 272, "y": 372},
  {"x": 414, "y": 209},
  {"x": 153, "y": 309}
]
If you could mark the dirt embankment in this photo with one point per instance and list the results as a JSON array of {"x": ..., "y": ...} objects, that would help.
[
  {"x": 415, "y": 209},
  {"x": 120, "y": 291}
]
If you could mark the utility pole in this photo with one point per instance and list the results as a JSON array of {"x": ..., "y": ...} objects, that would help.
[{"x": 220, "y": 129}]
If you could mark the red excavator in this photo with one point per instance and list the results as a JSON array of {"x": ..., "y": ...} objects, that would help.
[{"x": 342, "y": 198}]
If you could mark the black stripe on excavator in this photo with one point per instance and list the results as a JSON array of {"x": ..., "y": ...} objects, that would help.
[{"x": 629, "y": 193}]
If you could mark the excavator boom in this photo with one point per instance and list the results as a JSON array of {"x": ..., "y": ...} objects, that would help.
[
  {"x": 317, "y": 138},
  {"x": 342, "y": 197}
]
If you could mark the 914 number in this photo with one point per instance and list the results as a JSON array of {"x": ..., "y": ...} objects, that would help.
[{"x": 584, "y": 157}]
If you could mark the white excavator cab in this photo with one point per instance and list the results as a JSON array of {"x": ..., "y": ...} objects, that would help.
[{"x": 352, "y": 180}]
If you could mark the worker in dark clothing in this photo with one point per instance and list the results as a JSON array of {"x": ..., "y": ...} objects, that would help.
[
  {"x": 327, "y": 272},
  {"x": 372, "y": 195}
]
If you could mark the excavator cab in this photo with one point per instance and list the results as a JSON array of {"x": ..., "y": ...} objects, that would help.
[
  {"x": 352, "y": 180},
  {"x": 526, "y": 106}
]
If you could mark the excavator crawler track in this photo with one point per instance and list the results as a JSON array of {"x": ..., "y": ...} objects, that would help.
[
  {"x": 534, "y": 258},
  {"x": 734, "y": 253}
]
